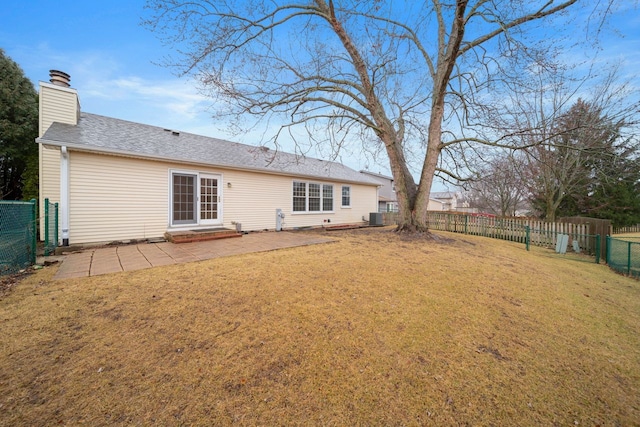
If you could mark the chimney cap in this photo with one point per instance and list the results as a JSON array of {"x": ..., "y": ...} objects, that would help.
[{"x": 60, "y": 78}]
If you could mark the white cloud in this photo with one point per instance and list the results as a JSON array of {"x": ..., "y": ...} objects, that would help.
[{"x": 177, "y": 98}]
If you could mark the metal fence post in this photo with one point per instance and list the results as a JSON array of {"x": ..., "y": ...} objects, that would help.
[
  {"x": 607, "y": 249},
  {"x": 597, "y": 249},
  {"x": 46, "y": 226},
  {"x": 629, "y": 258},
  {"x": 34, "y": 221},
  {"x": 55, "y": 222},
  {"x": 527, "y": 238}
]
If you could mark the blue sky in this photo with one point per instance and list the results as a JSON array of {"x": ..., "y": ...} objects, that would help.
[{"x": 110, "y": 58}]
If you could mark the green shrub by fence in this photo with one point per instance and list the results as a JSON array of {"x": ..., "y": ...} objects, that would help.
[
  {"x": 17, "y": 235},
  {"x": 623, "y": 255}
]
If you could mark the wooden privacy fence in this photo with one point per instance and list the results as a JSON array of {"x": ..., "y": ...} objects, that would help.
[
  {"x": 629, "y": 229},
  {"x": 522, "y": 230}
]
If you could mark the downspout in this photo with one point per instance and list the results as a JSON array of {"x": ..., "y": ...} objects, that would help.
[{"x": 64, "y": 194}]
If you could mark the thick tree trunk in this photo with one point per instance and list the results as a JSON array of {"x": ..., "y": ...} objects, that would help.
[
  {"x": 413, "y": 201},
  {"x": 429, "y": 168},
  {"x": 406, "y": 191},
  {"x": 449, "y": 52},
  {"x": 385, "y": 130}
]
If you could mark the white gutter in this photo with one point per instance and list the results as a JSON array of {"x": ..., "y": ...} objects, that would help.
[{"x": 64, "y": 194}]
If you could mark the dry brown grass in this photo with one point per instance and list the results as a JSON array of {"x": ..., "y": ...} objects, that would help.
[
  {"x": 374, "y": 329},
  {"x": 623, "y": 235}
]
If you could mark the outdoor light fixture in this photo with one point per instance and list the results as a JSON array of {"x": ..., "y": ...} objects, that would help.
[{"x": 228, "y": 185}]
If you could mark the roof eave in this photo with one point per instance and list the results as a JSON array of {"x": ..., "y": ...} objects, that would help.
[{"x": 123, "y": 153}]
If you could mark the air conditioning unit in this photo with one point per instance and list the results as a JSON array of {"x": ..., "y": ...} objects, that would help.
[{"x": 375, "y": 219}]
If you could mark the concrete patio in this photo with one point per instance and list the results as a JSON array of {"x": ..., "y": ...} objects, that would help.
[{"x": 104, "y": 260}]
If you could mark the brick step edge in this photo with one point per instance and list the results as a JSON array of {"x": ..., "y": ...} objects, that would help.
[{"x": 203, "y": 238}]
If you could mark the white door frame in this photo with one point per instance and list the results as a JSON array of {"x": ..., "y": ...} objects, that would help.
[
  {"x": 198, "y": 217},
  {"x": 217, "y": 203}
]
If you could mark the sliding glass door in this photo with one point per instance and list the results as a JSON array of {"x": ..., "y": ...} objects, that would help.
[{"x": 196, "y": 199}]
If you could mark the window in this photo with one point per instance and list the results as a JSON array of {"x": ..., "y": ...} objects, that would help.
[
  {"x": 327, "y": 197},
  {"x": 346, "y": 196},
  {"x": 299, "y": 196},
  {"x": 312, "y": 197}
]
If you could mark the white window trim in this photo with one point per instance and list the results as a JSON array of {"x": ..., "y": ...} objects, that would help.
[
  {"x": 306, "y": 203},
  {"x": 350, "y": 194}
]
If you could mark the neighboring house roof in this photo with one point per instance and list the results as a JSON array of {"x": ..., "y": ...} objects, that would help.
[
  {"x": 379, "y": 175},
  {"x": 443, "y": 195},
  {"x": 120, "y": 137}
]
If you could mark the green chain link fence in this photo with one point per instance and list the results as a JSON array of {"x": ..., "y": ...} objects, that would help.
[
  {"x": 17, "y": 235},
  {"x": 50, "y": 227},
  {"x": 623, "y": 255}
]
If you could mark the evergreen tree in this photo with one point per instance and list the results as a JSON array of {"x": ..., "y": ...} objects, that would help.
[
  {"x": 595, "y": 169},
  {"x": 614, "y": 192},
  {"x": 18, "y": 131}
]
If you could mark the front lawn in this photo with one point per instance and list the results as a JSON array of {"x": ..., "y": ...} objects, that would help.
[{"x": 374, "y": 329}]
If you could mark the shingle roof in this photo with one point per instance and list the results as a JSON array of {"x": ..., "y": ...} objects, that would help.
[
  {"x": 443, "y": 195},
  {"x": 378, "y": 175},
  {"x": 115, "y": 136}
]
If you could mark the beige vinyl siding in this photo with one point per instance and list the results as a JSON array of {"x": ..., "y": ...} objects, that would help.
[
  {"x": 49, "y": 180},
  {"x": 435, "y": 205},
  {"x": 364, "y": 200},
  {"x": 57, "y": 104},
  {"x": 253, "y": 199},
  {"x": 119, "y": 198},
  {"x": 116, "y": 198}
]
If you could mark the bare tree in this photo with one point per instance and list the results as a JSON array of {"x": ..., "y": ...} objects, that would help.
[
  {"x": 499, "y": 188},
  {"x": 410, "y": 77}
]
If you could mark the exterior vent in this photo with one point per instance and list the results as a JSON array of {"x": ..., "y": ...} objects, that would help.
[
  {"x": 175, "y": 133},
  {"x": 60, "y": 78}
]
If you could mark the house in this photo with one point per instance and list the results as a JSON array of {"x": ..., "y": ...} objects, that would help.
[
  {"x": 117, "y": 180},
  {"x": 438, "y": 201},
  {"x": 437, "y": 205},
  {"x": 387, "y": 200},
  {"x": 450, "y": 201}
]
